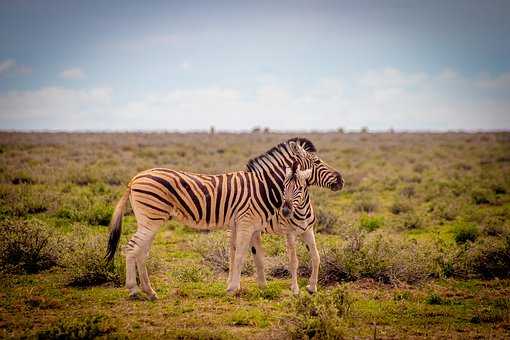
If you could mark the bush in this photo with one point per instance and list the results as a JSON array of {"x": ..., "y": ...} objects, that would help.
[
  {"x": 191, "y": 273},
  {"x": 371, "y": 223},
  {"x": 410, "y": 220},
  {"x": 82, "y": 328},
  {"x": 480, "y": 196},
  {"x": 408, "y": 192},
  {"x": 486, "y": 258},
  {"x": 319, "y": 316},
  {"x": 399, "y": 207},
  {"x": 384, "y": 259},
  {"x": 463, "y": 233},
  {"x": 364, "y": 203},
  {"x": 27, "y": 247},
  {"x": 85, "y": 263},
  {"x": 434, "y": 299},
  {"x": 326, "y": 221}
]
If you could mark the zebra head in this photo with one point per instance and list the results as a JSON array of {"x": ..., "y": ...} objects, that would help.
[
  {"x": 322, "y": 174},
  {"x": 294, "y": 188}
]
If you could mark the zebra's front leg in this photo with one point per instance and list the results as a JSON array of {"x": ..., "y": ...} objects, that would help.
[
  {"x": 293, "y": 262},
  {"x": 258, "y": 258},
  {"x": 243, "y": 236},
  {"x": 309, "y": 239}
]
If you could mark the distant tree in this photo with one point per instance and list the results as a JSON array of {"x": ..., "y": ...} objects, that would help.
[
  {"x": 256, "y": 129},
  {"x": 266, "y": 129},
  {"x": 340, "y": 130},
  {"x": 364, "y": 129},
  {"x": 211, "y": 130}
]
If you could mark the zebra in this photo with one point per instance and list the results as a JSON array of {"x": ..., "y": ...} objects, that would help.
[
  {"x": 245, "y": 201},
  {"x": 296, "y": 219}
]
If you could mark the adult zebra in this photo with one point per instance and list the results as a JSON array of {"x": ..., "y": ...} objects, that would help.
[{"x": 245, "y": 201}]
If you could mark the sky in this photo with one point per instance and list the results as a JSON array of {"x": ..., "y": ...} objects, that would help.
[{"x": 287, "y": 65}]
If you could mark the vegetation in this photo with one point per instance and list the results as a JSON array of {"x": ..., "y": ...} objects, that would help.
[{"x": 416, "y": 245}]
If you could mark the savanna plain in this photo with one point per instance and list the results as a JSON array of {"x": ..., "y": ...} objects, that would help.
[{"x": 416, "y": 245}]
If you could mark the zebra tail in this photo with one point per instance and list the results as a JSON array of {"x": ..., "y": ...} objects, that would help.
[{"x": 116, "y": 226}]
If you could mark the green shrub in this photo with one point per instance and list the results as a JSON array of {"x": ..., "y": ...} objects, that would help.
[
  {"x": 85, "y": 263},
  {"x": 319, "y": 316},
  {"x": 399, "y": 207},
  {"x": 365, "y": 203},
  {"x": 326, "y": 221},
  {"x": 464, "y": 232},
  {"x": 434, "y": 299},
  {"x": 481, "y": 196},
  {"x": 371, "y": 223},
  {"x": 27, "y": 247},
  {"x": 80, "y": 328},
  {"x": 410, "y": 220},
  {"x": 486, "y": 258},
  {"x": 191, "y": 273}
]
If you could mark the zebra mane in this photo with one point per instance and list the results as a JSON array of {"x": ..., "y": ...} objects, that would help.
[{"x": 303, "y": 142}]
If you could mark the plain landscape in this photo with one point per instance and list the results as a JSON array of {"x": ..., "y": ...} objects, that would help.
[{"x": 416, "y": 245}]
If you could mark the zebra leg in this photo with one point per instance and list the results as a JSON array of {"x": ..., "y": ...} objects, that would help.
[
  {"x": 232, "y": 254},
  {"x": 309, "y": 239},
  {"x": 258, "y": 258},
  {"x": 243, "y": 236},
  {"x": 293, "y": 262},
  {"x": 142, "y": 270},
  {"x": 137, "y": 248}
]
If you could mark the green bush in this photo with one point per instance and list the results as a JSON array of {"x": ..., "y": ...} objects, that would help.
[
  {"x": 486, "y": 258},
  {"x": 434, "y": 299},
  {"x": 410, "y": 220},
  {"x": 27, "y": 247},
  {"x": 319, "y": 316},
  {"x": 399, "y": 207},
  {"x": 371, "y": 223},
  {"x": 191, "y": 273},
  {"x": 464, "y": 232},
  {"x": 85, "y": 263},
  {"x": 326, "y": 221},
  {"x": 365, "y": 203}
]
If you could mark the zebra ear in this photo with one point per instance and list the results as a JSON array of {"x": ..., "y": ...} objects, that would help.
[{"x": 297, "y": 149}]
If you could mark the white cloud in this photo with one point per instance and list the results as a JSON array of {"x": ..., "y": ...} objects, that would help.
[
  {"x": 7, "y": 65},
  {"x": 379, "y": 99},
  {"x": 72, "y": 73},
  {"x": 185, "y": 65},
  {"x": 55, "y": 108}
]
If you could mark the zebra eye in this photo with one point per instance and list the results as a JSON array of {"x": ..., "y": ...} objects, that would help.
[{"x": 317, "y": 162}]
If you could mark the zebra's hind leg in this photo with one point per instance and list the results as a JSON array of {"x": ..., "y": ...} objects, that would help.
[
  {"x": 136, "y": 252},
  {"x": 142, "y": 270},
  {"x": 258, "y": 258}
]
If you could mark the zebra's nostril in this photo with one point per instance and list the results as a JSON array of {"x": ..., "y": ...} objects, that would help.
[{"x": 285, "y": 211}]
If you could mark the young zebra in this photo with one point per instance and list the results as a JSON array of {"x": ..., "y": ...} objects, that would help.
[
  {"x": 245, "y": 201},
  {"x": 296, "y": 219}
]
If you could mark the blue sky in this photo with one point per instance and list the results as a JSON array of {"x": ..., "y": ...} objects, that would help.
[{"x": 299, "y": 65}]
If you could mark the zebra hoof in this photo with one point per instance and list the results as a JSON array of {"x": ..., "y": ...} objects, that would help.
[
  {"x": 134, "y": 296},
  {"x": 311, "y": 290},
  {"x": 152, "y": 297}
]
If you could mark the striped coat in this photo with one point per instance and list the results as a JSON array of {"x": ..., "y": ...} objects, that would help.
[{"x": 245, "y": 201}]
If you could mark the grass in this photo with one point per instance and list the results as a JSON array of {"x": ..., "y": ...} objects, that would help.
[{"x": 417, "y": 243}]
